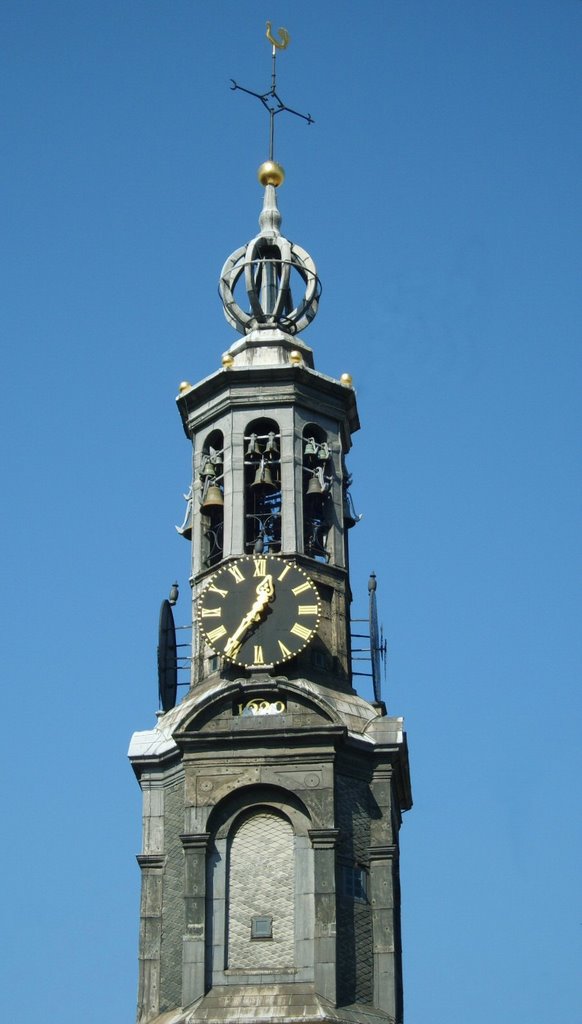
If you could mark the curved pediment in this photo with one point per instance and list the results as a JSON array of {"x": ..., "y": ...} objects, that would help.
[
  {"x": 242, "y": 707},
  {"x": 266, "y": 706}
]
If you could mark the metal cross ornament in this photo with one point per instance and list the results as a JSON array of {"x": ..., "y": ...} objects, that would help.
[{"x": 271, "y": 100}]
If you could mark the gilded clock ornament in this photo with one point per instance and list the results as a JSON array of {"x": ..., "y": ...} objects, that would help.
[{"x": 259, "y": 611}]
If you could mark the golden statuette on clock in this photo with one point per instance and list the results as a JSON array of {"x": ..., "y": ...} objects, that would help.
[{"x": 259, "y": 611}]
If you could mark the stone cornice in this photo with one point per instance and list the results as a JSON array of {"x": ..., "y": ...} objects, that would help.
[
  {"x": 301, "y": 738},
  {"x": 388, "y": 852},
  {"x": 151, "y": 861},
  {"x": 276, "y": 385},
  {"x": 323, "y": 838},
  {"x": 195, "y": 840}
]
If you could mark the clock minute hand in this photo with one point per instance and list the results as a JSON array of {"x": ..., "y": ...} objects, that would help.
[{"x": 266, "y": 586}]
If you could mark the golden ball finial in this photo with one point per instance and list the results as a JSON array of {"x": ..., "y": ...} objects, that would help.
[
  {"x": 295, "y": 357},
  {"x": 184, "y": 386},
  {"x": 271, "y": 173},
  {"x": 227, "y": 360},
  {"x": 346, "y": 380}
]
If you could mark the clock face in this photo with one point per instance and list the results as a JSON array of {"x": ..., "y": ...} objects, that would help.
[{"x": 259, "y": 611}]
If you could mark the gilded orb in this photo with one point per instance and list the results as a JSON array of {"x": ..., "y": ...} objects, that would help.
[
  {"x": 227, "y": 360},
  {"x": 295, "y": 357},
  {"x": 271, "y": 173},
  {"x": 346, "y": 380},
  {"x": 184, "y": 386}
]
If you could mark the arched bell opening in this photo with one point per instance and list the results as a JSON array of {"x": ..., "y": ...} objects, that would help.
[
  {"x": 317, "y": 472},
  {"x": 262, "y": 485},
  {"x": 211, "y": 483}
]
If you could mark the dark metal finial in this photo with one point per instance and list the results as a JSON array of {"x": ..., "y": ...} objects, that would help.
[{"x": 174, "y": 593}]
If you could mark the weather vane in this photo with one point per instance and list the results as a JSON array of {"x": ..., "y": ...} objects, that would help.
[{"x": 271, "y": 100}]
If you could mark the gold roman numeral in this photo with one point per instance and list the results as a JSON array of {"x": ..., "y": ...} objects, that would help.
[
  {"x": 236, "y": 573},
  {"x": 284, "y": 573},
  {"x": 217, "y": 590},
  {"x": 260, "y": 567},
  {"x": 301, "y": 588},
  {"x": 307, "y": 609},
  {"x": 284, "y": 650},
  {"x": 216, "y": 613},
  {"x": 215, "y": 634},
  {"x": 301, "y": 631},
  {"x": 259, "y": 658}
]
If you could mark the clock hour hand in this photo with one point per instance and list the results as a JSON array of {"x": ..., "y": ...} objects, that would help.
[{"x": 265, "y": 593}]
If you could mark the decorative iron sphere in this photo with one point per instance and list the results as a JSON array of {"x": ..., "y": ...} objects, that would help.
[
  {"x": 295, "y": 357},
  {"x": 271, "y": 173},
  {"x": 184, "y": 386},
  {"x": 227, "y": 360},
  {"x": 346, "y": 380}
]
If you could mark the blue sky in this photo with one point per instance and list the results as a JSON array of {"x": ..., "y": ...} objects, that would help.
[{"x": 439, "y": 195}]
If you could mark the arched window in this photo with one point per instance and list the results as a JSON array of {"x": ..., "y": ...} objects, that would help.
[
  {"x": 262, "y": 461},
  {"x": 261, "y": 897},
  {"x": 317, "y": 482},
  {"x": 211, "y": 478}
]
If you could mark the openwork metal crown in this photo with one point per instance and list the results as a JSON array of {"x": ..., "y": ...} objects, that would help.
[{"x": 266, "y": 267}]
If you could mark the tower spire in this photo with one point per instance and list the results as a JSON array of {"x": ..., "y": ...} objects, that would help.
[{"x": 269, "y": 263}]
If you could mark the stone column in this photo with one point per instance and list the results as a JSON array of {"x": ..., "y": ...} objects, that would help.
[
  {"x": 193, "y": 946},
  {"x": 150, "y": 939},
  {"x": 385, "y": 897},
  {"x": 323, "y": 841},
  {"x": 385, "y": 902},
  {"x": 151, "y": 862},
  {"x": 234, "y": 483}
]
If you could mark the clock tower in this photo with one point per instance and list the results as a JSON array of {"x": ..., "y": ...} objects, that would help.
[{"x": 272, "y": 793}]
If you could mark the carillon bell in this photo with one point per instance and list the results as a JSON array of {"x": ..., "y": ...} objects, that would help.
[
  {"x": 263, "y": 480},
  {"x": 349, "y": 515},
  {"x": 271, "y": 445},
  {"x": 208, "y": 469},
  {"x": 310, "y": 447},
  {"x": 314, "y": 487},
  {"x": 253, "y": 448},
  {"x": 213, "y": 497}
]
